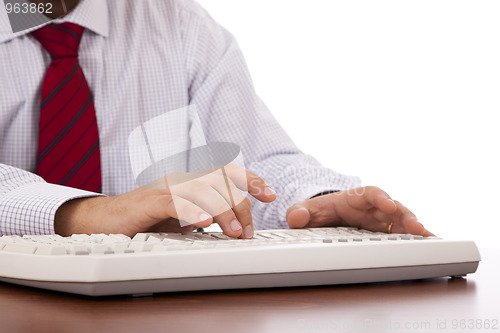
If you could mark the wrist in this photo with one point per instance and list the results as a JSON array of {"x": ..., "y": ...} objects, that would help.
[{"x": 78, "y": 216}]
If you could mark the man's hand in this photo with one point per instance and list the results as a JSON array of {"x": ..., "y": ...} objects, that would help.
[
  {"x": 367, "y": 208},
  {"x": 199, "y": 202}
]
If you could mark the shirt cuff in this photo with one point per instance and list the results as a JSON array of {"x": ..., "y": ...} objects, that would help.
[
  {"x": 30, "y": 209},
  {"x": 324, "y": 193},
  {"x": 311, "y": 192}
]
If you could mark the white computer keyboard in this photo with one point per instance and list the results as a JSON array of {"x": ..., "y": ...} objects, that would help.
[{"x": 160, "y": 262}]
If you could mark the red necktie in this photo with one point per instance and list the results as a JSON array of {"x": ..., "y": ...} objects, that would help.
[{"x": 68, "y": 146}]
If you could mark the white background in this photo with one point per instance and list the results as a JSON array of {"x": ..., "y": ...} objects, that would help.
[{"x": 404, "y": 94}]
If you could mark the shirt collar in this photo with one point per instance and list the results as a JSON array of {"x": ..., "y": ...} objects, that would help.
[{"x": 91, "y": 14}]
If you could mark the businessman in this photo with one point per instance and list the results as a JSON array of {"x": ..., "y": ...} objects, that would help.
[{"x": 73, "y": 90}]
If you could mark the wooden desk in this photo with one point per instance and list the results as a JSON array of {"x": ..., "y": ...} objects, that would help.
[{"x": 431, "y": 306}]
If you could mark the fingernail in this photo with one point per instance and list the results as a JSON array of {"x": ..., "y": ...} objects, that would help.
[
  {"x": 204, "y": 217},
  {"x": 235, "y": 225},
  {"x": 269, "y": 191},
  {"x": 248, "y": 232}
]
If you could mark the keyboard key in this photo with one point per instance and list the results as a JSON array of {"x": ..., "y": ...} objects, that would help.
[
  {"x": 138, "y": 246},
  {"x": 80, "y": 237},
  {"x": 118, "y": 247},
  {"x": 158, "y": 248},
  {"x": 99, "y": 238},
  {"x": 118, "y": 237},
  {"x": 141, "y": 237},
  {"x": 73, "y": 248},
  {"x": 156, "y": 238},
  {"x": 50, "y": 250},
  {"x": 21, "y": 247},
  {"x": 98, "y": 248},
  {"x": 283, "y": 235}
]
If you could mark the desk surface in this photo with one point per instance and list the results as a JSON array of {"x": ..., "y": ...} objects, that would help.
[{"x": 444, "y": 305}]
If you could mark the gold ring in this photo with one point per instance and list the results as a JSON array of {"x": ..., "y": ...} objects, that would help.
[{"x": 389, "y": 228}]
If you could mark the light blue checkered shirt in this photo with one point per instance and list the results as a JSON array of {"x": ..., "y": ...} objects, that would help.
[{"x": 143, "y": 59}]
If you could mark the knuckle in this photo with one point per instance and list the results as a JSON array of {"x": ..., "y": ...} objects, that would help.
[
  {"x": 358, "y": 191},
  {"x": 196, "y": 183},
  {"x": 219, "y": 204},
  {"x": 231, "y": 167},
  {"x": 215, "y": 176},
  {"x": 169, "y": 200},
  {"x": 226, "y": 217},
  {"x": 243, "y": 207},
  {"x": 182, "y": 206}
]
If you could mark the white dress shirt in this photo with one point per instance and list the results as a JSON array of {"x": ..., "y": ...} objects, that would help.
[{"x": 143, "y": 59}]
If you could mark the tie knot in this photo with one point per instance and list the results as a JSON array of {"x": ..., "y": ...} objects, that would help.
[{"x": 60, "y": 40}]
